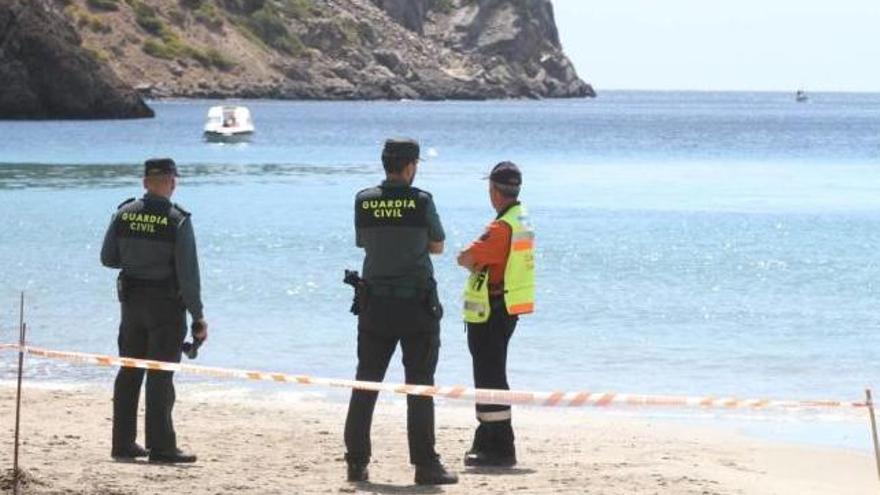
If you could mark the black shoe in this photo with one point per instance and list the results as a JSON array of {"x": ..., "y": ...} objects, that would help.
[
  {"x": 358, "y": 473},
  {"x": 434, "y": 474},
  {"x": 483, "y": 459},
  {"x": 175, "y": 456},
  {"x": 129, "y": 453}
]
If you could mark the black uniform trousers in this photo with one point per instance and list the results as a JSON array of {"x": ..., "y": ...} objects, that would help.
[
  {"x": 488, "y": 344},
  {"x": 153, "y": 327},
  {"x": 383, "y": 322}
]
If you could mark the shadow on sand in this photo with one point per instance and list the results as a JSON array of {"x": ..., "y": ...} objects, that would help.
[
  {"x": 395, "y": 489},
  {"x": 498, "y": 471}
]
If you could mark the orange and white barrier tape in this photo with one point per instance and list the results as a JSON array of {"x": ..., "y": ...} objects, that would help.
[{"x": 483, "y": 396}]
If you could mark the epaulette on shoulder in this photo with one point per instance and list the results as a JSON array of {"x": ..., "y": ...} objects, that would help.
[
  {"x": 422, "y": 191},
  {"x": 127, "y": 201},
  {"x": 368, "y": 189},
  {"x": 181, "y": 210}
]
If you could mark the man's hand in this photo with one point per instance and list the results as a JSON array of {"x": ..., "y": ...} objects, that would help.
[
  {"x": 466, "y": 260},
  {"x": 436, "y": 247},
  {"x": 200, "y": 330}
]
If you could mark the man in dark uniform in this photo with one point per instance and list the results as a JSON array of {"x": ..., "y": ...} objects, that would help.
[
  {"x": 398, "y": 227},
  {"x": 152, "y": 241}
]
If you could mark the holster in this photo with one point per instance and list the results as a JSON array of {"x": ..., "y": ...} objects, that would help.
[
  {"x": 121, "y": 288},
  {"x": 359, "y": 285},
  {"x": 432, "y": 300},
  {"x": 358, "y": 302},
  {"x": 361, "y": 295}
]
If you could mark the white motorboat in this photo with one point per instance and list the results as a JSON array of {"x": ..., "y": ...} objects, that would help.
[
  {"x": 801, "y": 96},
  {"x": 229, "y": 124}
]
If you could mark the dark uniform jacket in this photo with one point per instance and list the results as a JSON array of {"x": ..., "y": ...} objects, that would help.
[
  {"x": 151, "y": 239},
  {"x": 395, "y": 224}
]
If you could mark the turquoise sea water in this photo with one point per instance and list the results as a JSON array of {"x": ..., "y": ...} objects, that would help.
[{"x": 689, "y": 243}]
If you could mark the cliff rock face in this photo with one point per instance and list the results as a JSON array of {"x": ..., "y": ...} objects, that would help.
[
  {"x": 515, "y": 41},
  {"x": 410, "y": 14},
  {"x": 331, "y": 49},
  {"x": 45, "y": 73}
]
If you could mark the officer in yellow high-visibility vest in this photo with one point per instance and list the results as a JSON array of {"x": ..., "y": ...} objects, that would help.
[{"x": 501, "y": 287}]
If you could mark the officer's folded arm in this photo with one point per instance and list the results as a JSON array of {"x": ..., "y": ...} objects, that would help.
[
  {"x": 436, "y": 247},
  {"x": 466, "y": 259}
]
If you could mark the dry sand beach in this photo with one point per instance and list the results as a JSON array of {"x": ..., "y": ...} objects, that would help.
[{"x": 268, "y": 446}]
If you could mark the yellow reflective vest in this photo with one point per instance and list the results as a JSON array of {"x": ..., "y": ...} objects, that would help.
[{"x": 519, "y": 273}]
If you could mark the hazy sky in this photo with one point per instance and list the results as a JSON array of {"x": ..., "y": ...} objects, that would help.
[{"x": 829, "y": 45}]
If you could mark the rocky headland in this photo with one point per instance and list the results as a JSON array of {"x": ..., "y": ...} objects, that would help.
[
  {"x": 90, "y": 58},
  {"x": 45, "y": 72},
  {"x": 331, "y": 49}
]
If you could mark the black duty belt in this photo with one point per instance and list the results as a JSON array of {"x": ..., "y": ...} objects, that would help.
[
  {"x": 396, "y": 291},
  {"x": 140, "y": 283}
]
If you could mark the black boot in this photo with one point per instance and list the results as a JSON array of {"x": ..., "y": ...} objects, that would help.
[
  {"x": 493, "y": 446},
  {"x": 489, "y": 459},
  {"x": 175, "y": 456},
  {"x": 128, "y": 453},
  {"x": 479, "y": 446},
  {"x": 358, "y": 472},
  {"x": 434, "y": 474}
]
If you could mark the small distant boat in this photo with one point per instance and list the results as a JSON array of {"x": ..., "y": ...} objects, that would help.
[
  {"x": 801, "y": 96},
  {"x": 229, "y": 124}
]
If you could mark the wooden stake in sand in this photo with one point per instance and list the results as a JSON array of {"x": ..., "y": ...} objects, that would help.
[
  {"x": 870, "y": 404},
  {"x": 16, "y": 473}
]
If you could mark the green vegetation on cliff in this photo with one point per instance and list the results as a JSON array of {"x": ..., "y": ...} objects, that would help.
[
  {"x": 267, "y": 25},
  {"x": 167, "y": 44},
  {"x": 269, "y": 20},
  {"x": 106, "y": 5}
]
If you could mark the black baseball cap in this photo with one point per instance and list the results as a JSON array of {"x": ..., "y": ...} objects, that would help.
[
  {"x": 506, "y": 173},
  {"x": 407, "y": 149},
  {"x": 160, "y": 166}
]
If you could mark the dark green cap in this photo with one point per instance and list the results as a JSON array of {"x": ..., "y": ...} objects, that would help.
[
  {"x": 160, "y": 166},
  {"x": 506, "y": 174}
]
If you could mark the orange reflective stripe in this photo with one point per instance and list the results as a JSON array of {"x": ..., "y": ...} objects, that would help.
[
  {"x": 521, "y": 309},
  {"x": 524, "y": 245}
]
